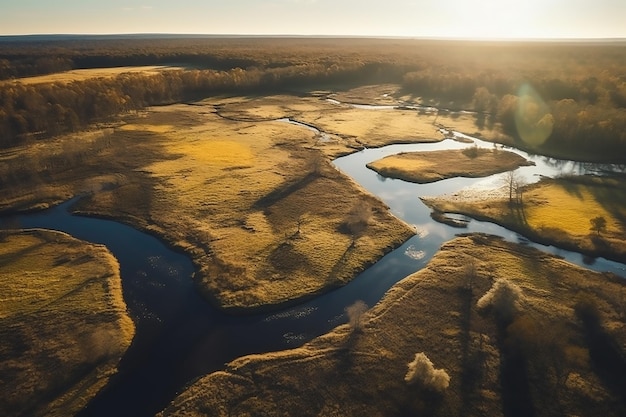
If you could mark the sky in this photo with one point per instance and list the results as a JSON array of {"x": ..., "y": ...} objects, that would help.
[{"x": 499, "y": 19}]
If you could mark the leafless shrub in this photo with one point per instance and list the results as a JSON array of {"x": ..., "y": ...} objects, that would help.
[
  {"x": 357, "y": 219},
  {"x": 355, "y": 313},
  {"x": 422, "y": 371},
  {"x": 504, "y": 297}
]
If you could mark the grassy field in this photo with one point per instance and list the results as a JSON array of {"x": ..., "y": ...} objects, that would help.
[
  {"x": 558, "y": 211},
  {"x": 63, "y": 322},
  {"x": 353, "y": 372},
  {"x": 253, "y": 200},
  {"x": 86, "y": 74},
  {"x": 424, "y": 167}
]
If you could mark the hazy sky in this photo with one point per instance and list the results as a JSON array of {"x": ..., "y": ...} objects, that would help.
[{"x": 438, "y": 18}]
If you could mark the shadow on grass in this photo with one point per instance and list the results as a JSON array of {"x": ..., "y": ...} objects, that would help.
[
  {"x": 607, "y": 358},
  {"x": 609, "y": 192},
  {"x": 286, "y": 190}
]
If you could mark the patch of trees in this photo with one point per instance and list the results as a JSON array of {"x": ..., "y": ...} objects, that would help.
[
  {"x": 582, "y": 86},
  {"x": 44, "y": 110}
]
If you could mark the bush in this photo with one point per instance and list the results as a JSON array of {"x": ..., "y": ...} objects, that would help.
[
  {"x": 504, "y": 298},
  {"x": 422, "y": 371},
  {"x": 355, "y": 314}
]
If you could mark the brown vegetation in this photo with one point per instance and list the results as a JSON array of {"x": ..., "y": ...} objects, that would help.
[
  {"x": 556, "y": 211},
  {"x": 543, "y": 344},
  {"x": 63, "y": 323},
  {"x": 424, "y": 167},
  {"x": 256, "y": 204},
  {"x": 548, "y": 97}
]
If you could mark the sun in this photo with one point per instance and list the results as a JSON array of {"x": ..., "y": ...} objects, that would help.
[{"x": 492, "y": 19}]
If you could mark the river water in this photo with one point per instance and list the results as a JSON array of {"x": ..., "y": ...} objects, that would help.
[{"x": 180, "y": 337}]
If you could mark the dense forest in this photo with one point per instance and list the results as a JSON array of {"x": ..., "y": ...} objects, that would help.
[{"x": 573, "y": 93}]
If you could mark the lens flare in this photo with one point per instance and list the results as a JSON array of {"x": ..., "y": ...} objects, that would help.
[{"x": 533, "y": 118}]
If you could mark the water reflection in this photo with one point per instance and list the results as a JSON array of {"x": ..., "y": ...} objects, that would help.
[{"x": 180, "y": 337}]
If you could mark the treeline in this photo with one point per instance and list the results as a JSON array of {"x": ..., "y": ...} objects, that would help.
[
  {"x": 579, "y": 98},
  {"x": 581, "y": 87},
  {"x": 48, "y": 109},
  {"x": 43, "y": 56}
]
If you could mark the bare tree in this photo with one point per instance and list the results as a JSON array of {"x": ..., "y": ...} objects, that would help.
[
  {"x": 515, "y": 184},
  {"x": 357, "y": 219},
  {"x": 355, "y": 313},
  {"x": 520, "y": 183}
]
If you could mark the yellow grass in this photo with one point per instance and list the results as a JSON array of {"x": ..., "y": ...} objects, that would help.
[
  {"x": 558, "y": 211},
  {"x": 433, "y": 311},
  {"x": 351, "y": 127},
  {"x": 86, "y": 74},
  {"x": 63, "y": 322},
  {"x": 570, "y": 208},
  {"x": 423, "y": 167},
  {"x": 147, "y": 128},
  {"x": 220, "y": 171},
  {"x": 228, "y": 184}
]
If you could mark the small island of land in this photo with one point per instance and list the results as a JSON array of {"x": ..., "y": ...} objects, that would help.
[
  {"x": 582, "y": 213},
  {"x": 63, "y": 322},
  {"x": 424, "y": 167}
]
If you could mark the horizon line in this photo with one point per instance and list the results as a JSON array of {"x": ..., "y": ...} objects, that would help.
[{"x": 313, "y": 36}]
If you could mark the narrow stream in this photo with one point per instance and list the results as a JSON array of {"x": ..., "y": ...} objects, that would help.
[{"x": 180, "y": 337}]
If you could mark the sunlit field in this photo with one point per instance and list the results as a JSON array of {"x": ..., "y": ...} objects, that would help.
[
  {"x": 227, "y": 157},
  {"x": 435, "y": 311},
  {"x": 63, "y": 322},
  {"x": 423, "y": 167},
  {"x": 559, "y": 211},
  {"x": 90, "y": 73}
]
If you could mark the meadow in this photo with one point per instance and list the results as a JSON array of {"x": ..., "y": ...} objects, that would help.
[
  {"x": 63, "y": 322},
  {"x": 356, "y": 370},
  {"x": 89, "y": 73},
  {"x": 207, "y": 156},
  {"x": 424, "y": 167},
  {"x": 556, "y": 211}
]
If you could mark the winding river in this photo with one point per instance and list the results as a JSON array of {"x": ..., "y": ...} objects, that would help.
[{"x": 180, "y": 337}]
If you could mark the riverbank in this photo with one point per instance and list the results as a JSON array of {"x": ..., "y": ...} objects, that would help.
[
  {"x": 253, "y": 200},
  {"x": 425, "y": 167},
  {"x": 63, "y": 322},
  {"x": 555, "y": 212},
  {"x": 361, "y": 370}
]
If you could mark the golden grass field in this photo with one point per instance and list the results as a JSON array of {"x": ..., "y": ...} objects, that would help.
[
  {"x": 559, "y": 211},
  {"x": 267, "y": 220},
  {"x": 63, "y": 322},
  {"x": 253, "y": 200},
  {"x": 352, "y": 373},
  {"x": 424, "y": 167},
  {"x": 86, "y": 74}
]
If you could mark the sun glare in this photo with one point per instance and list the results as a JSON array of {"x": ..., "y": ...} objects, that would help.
[{"x": 495, "y": 19}]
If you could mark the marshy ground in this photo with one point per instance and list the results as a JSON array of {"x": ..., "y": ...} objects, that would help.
[
  {"x": 63, "y": 322},
  {"x": 558, "y": 211},
  {"x": 424, "y": 167},
  {"x": 266, "y": 218},
  {"x": 553, "y": 367}
]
